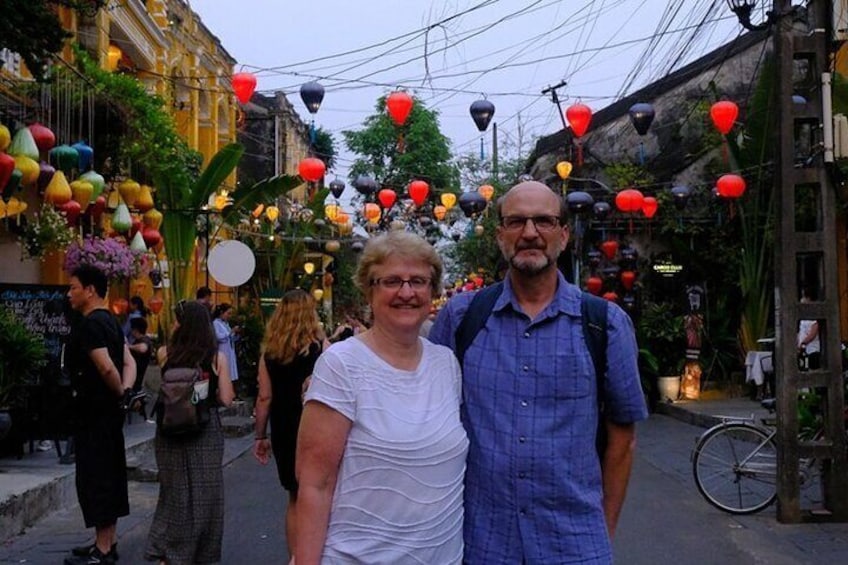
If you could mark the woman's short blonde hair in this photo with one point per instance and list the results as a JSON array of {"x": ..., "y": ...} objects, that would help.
[{"x": 397, "y": 243}]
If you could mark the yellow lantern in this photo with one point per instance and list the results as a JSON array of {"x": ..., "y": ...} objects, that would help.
[
  {"x": 272, "y": 213},
  {"x": 144, "y": 201},
  {"x": 58, "y": 190},
  {"x": 478, "y": 230},
  {"x": 129, "y": 190},
  {"x": 220, "y": 201},
  {"x": 372, "y": 212},
  {"x": 439, "y": 212},
  {"x": 309, "y": 267},
  {"x": 318, "y": 294},
  {"x": 258, "y": 211},
  {"x": 28, "y": 168},
  {"x": 15, "y": 207},
  {"x": 2, "y": 209},
  {"x": 5, "y": 138},
  {"x": 331, "y": 211},
  {"x": 332, "y": 246},
  {"x": 152, "y": 218},
  {"x": 448, "y": 200},
  {"x": 113, "y": 57},
  {"x": 81, "y": 192},
  {"x": 487, "y": 191},
  {"x": 563, "y": 169}
]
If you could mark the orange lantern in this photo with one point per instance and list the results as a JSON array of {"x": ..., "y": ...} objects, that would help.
[
  {"x": 439, "y": 212},
  {"x": 399, "y": 106},
  {"x": 155, "y": 304},
  {"x": 258, "y": 211},
  {"x": 119, "y": 306},
  {"x": 371, "y": 211},
  {"x": 418, "y": 191},
  {"x": 487, "y": 191},
  {"x": 243, "y": 85}
]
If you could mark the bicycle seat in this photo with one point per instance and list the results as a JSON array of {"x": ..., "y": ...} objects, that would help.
[{"x": 769, "y": 404}]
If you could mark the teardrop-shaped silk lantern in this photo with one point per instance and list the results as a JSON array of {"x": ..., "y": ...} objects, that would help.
[
  {"x": 151, "y": 236},
  {"x": 96, "y": 180},
  {"x": 5, "y": 138},
  {"x": 387, "y": 198},
  {"x": 121, "y": 219},
  {"x": 58, "y": 191},
  {"x": 44, "y": 137},
  {"x": 23, "y": 144},
  {"x": 129, "y": 189},
  {"x": 311, "y": 169},
  {"x": 482, "y": 112},
  {"x": 594, "y": 285},
  {"x": 730, "y": 186},
  {"x": 45, "y": 175},
  {"x": 724, "y": 115},
  {"x": 156, "y": 304},
  {"x": 144, "y": 201},
  {"x": 418, "y": 191},
  {"x": 7, "y": 165},
  {"x": 448, "y": 200},
  {"x": 86, "y": 155},
  {"x": 579, "y": 117},
  {"x": 81, "y": 192},
  {"x": 152, "y": 218},
  {"x": 601, "y": 210},
  {"x": 371, "y": 211},
  {"x": 72, "y": 210},
  {"x": 399, "y": 106},
  {"x": 137, "y": 242},
  {"x": 487, "y": 191},
  {"x": 649, "y": 207},
  {"x": 98, "y": 207},
  {"x": 64, "y": 157},
  {"x": 641, "y": 116},
  {"x": 629, "y": 200},
  {"x": 609, "y": 248},
  {"x": 337, "y": 187},
  {"x": 28, "y": 168},
  {"x": 627, "y": 279},
  {"x": 439, "y": 212},
  {"x": 243, "y": 86},
  {"x": 563, "y": 169}
]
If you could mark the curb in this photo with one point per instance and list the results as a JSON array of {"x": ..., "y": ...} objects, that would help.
[{"x": 686, "y": 416}]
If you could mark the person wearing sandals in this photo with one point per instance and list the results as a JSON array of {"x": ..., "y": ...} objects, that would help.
[
  {"x": 294, "y": 339},
  {"x": 188, "y": 525},
  {"x": 381, "y": 450}
]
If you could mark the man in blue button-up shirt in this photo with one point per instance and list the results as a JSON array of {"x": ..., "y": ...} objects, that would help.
[{"x": 535, "y": 489}]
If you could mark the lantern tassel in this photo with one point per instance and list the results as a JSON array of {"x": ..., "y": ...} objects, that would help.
[
  {"x": 579, "y": 153},
  {"x": 312, "y": 133},
  {"x": 401, "y": 144},
  {"x": 725, "y": 151},
  {"x": 641, "y": 153}
]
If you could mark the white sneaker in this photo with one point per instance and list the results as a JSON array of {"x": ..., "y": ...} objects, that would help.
[{"x": 44, "y": 445}]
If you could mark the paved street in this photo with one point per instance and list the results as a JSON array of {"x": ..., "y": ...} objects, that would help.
[{"x": 665, "y": 520}]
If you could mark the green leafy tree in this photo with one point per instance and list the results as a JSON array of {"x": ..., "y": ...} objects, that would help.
[
  {"x": 425, "y": 152},
  {"x": 324, "y": 147}
]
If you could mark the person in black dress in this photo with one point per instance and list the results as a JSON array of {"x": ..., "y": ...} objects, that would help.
[
  {"x": 102, "y": 372},
  {"x": 294, "y": 339}
]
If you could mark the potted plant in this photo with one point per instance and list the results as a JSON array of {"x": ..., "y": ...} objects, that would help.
[
  {"x": 22, "y": 353},
  {"x": 662, "y": 349}
]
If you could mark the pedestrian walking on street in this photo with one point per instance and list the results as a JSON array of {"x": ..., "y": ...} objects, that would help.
[
  {"x": 381, "y": 450},
  {"x": 536, "y": 489},
  {"x": 294, "y": 338},
  {"x": 102, "y": 372},
  {"x": 226, "y": 336},
  {"x": 188, "y": 525}
]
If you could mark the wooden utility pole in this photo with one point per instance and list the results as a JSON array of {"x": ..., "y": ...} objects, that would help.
[{"x": 806, "y": 257}]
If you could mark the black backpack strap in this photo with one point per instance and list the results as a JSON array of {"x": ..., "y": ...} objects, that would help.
[
  {"x": 593, "y": 312},
  {"x": 475, "y": 317}
]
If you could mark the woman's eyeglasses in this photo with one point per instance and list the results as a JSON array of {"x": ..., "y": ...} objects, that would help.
[{"x": 396, "y": 283}]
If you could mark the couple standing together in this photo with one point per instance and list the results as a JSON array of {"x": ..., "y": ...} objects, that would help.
[{"x": 398, "y": 452}]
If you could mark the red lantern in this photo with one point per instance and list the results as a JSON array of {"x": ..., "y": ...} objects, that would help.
[
  {"x": 609, "y": 248},
  {"x": 311, "y": 169},
  {"x": 243, "y": 85},
  {"x": 119, "y": 306},
  {"x": 387, "y": 198},
  {"x": 594, "y": 285},
  {"x": 97, "y": 208},
  {"x": 579, "y": 117},
  {"x": 730, "y": 186},
  {"x": 418, "y": 191},
  {"x": 44, "y": 138},
  {"x": 649, "y": 206},
  {"x": 72, "y": 210},
  {"x": 155, "y": 304},
  {"x": 399, "y": 105},
  {"x": 151, "y": 236},
  {"x": 627, "y": 279},
  {"x": 7, "y": 166},
  {"x": 724, "y": 115},
  {"x": 135, "y": 226},
  {"x": 629, "y": 200},
  {"x": 611, "y": 296}
]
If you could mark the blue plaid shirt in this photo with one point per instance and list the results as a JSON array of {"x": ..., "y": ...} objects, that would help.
[{"x": 533, "y": 481}]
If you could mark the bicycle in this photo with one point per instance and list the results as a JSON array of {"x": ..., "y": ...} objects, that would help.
[{"x": 735, "y": 464}]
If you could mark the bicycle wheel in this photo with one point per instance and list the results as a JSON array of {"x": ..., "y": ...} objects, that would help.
[{"x": 735, "y": 468}]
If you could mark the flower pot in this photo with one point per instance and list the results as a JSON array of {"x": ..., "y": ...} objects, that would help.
[{"x": 669, "y": 388}]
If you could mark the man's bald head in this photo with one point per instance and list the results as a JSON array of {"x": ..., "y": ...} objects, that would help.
[{"x": 526, "y": 188}]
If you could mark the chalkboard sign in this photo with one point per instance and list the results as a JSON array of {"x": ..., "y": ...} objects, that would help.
[{"x": 42, "y": 310}]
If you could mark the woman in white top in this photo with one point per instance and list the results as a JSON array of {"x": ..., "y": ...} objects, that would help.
[
  {"x": 381, "y": 450},
  {"x": 809, "y": 344},
  {"x": 226, "y": 336}
]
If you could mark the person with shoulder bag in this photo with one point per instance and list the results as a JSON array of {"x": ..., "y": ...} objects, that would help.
[{"x": 188, "y": 525}]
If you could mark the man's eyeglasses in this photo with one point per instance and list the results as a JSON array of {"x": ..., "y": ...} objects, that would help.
[
  {"x": 541, "y": 223},
  {"x": 396, "y": 283}
]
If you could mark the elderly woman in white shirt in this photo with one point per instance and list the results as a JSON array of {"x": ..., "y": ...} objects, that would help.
[
  {"x": 381, "y": 449},
  {"x": 226, "y": 335}
]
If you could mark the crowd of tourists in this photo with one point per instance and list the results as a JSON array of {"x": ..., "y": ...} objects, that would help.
[{"x": 506, "y": 435}]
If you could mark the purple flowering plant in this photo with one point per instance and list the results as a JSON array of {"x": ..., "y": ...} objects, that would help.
[{"x": 109, "y": 255}]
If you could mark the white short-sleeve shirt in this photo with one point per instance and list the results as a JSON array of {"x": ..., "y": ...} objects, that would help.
[{"x": 398, "y": 496}]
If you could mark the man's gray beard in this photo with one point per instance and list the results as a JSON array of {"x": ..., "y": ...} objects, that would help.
[{"x": 530, "y": 269}]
